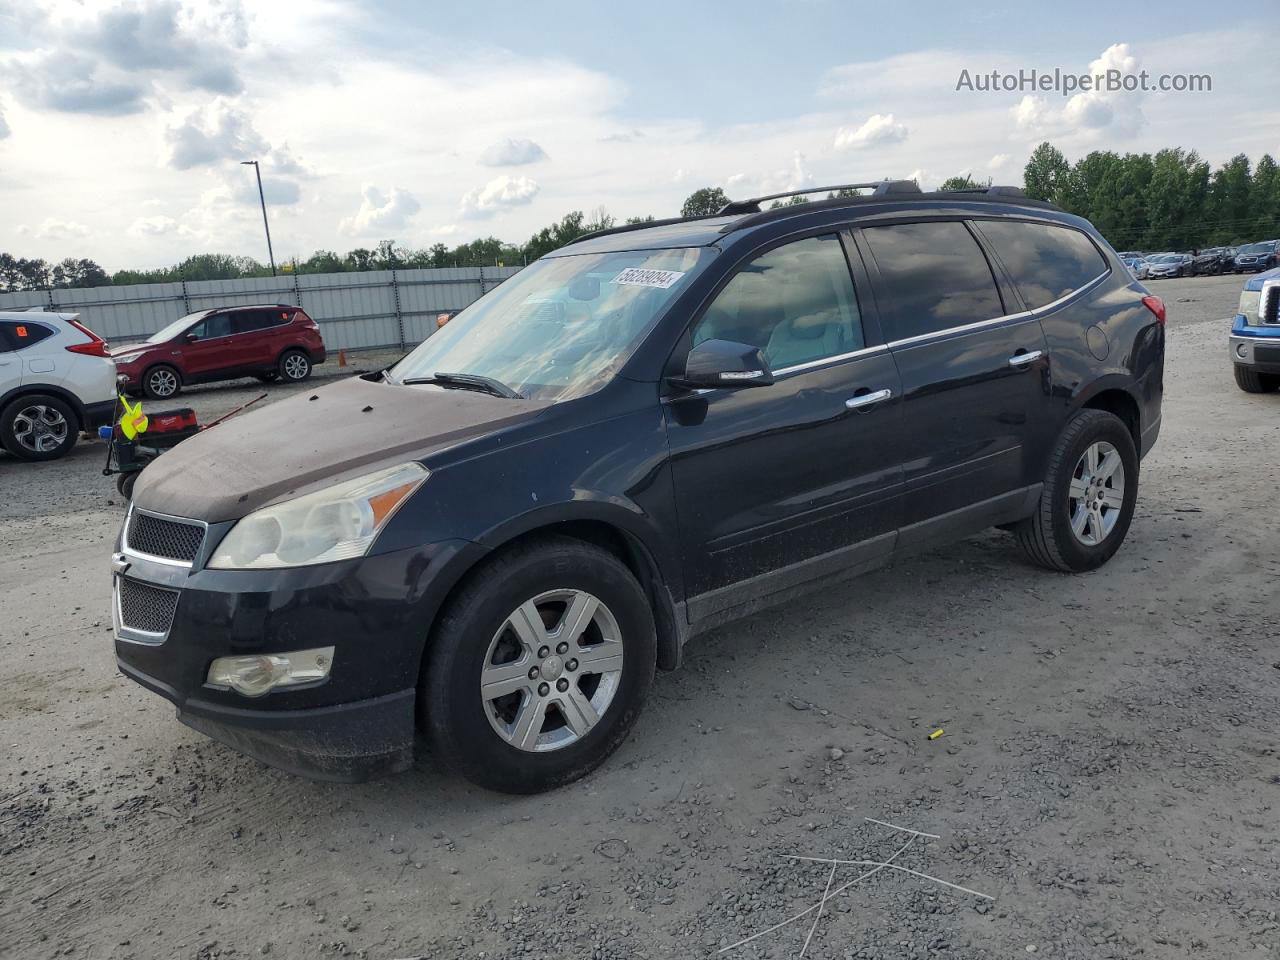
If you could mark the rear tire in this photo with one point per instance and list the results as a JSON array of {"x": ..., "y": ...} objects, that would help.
[
  {"x": 1088, "y": 498},
  {"x": 161, "y": 382},
  {"x": 39, "y": 427},
  {"x": 294, "y": 366},
  {"x": 548, "y": 719},
  {"x": 1251, "y": 381}
]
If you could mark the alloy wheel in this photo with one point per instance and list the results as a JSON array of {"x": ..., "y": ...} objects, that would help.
[
  {"x": 551, "y": 670},
  {"x": 295, "y": 366},
  {"x": 40, "y": 428},
  {"x": 162, "y": 383},
  {"x": 1096, "y": 493}
]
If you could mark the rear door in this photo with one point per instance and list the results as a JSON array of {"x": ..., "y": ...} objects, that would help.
[
  {"x": 213, "y": 349},
  {"x": 974, "y": 370},
  {"x": 781, "y": 484},
  {"x": 255, "y": 332}
]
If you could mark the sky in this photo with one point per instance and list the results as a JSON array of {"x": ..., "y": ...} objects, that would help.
[{"x": 123, "y": 124}]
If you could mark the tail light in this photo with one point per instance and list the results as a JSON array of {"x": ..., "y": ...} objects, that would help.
[
  {"x": 96, "y": 347},
  {"x": 1156, "y": 306}
]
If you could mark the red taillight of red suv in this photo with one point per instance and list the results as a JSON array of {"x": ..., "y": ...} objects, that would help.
[
  {"x": 1156, "y": 306},
  {"x": 96, "y": 347}
]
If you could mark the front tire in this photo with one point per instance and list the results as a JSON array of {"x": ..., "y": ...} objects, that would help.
[
  {"x": 1090, "y": 489},
  {"x": 1251, "y": 381},
  {"x": 38, "y": 427},
  {"x": 538, "y": 667},
  {"x": 161, "y": 382}
]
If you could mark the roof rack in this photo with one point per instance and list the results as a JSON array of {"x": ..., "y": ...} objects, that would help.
[
  {"x": 990, "y": 191},
  {"x": 642, "y": 225},
  {"x": 879, "y": 187}
]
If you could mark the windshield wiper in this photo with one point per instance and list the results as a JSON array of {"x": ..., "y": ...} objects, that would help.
[{"x": 467, "y": 381}]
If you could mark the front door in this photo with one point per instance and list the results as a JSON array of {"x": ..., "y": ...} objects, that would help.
[
  {"x": 212, "y": 349},
  {"x": 974, "y": 377},
  {"x": 778, "y": 485}
]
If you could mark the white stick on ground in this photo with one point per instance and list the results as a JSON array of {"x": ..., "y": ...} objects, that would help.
[
  {"x": 821, "y": 903},
  {"x": 834, "y": 893},
  {"x": 891, "y": 866},
  {"x": 894, "y": 826}
]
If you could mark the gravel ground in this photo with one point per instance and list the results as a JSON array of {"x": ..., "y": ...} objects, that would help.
[{"x": 1109, "y": 772}]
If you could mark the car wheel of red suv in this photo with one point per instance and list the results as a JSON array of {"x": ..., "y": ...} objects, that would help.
[
  {"x": 161, "y": 382},
  {"x": 294, "y": 366}
]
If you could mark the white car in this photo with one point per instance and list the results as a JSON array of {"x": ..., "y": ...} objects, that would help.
[{"x": 56, "y": 380}]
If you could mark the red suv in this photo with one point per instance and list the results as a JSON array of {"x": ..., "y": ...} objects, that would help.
[{"x": 270, "y": 342}]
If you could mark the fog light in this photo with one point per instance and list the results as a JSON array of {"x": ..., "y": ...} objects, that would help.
[
  {"x": 252, "y": 676},
  {"x": 1242, "y": 351}
]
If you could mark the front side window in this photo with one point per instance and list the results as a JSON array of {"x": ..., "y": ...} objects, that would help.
[
  {"x": 936, "y": 277},
  {"x": 561, "y": 327},
  {"x": 171, "y": 330},
  {"x": 1045, "y": 262},
  {"x": 218, "y": 325},
  {"x": 796, "y": 303}
]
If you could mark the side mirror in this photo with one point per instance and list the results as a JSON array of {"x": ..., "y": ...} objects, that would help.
[{"x": 724, "y": 363}]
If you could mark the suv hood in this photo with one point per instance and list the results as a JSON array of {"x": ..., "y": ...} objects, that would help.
[
  {"x": 129, "y": 349},
  {"x": 314, "y": 439}
]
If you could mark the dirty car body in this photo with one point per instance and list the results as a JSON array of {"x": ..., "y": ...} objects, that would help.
[{"x": 837, "y": 437}]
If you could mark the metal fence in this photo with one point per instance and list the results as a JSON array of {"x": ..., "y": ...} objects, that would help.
[{"x": 355, "y": 311}]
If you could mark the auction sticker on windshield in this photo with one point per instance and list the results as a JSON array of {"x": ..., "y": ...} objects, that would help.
[{"x": 639, "y": 277}]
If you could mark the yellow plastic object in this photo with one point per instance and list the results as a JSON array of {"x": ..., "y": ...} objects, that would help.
[
  {"x": 936, "y": 734},
  {"x": 133, "y": 421}
]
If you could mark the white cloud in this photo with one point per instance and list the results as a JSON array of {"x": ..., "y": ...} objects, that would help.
[
  {"x": 997, "y": 161},
  {"x": 4, "y": 126},
  {"x": 512, "y": 153},
  {"x": 159, "y": 226},
  {"x": 381, "y": 212},
  {"x": 51, "y": 228},
  {"x": 215, "y": 134},
  {"x": 497, "y": 194},
  {"x": 1090, "y": 115},
  {"x": 878, "y": 129}
]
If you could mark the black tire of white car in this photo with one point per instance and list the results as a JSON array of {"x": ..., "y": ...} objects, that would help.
[
  {"x": 1251, "y": 381},
  {"x": 20, "y": 439},
  {"x": 1046, "y": 537},
  {"x": 294, "y": 366},
  {"x": 452, "y": 708}
]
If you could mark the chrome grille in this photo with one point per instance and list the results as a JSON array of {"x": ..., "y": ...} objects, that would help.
[
  {"x": 1270, "y": 311},
  {"x": 145, "y": 608},
  {"x": 161, "y": 537}
]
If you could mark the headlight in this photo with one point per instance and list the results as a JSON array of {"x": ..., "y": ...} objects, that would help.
[
  {"x": 334, "y": 524},
  {"x": 1250, "y": 300}
]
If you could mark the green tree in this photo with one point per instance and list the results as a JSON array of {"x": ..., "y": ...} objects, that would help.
[
  {"x": 1231, "y": 199},
  {"x": 1264, "y": 199},
  {"x": 703, "y": 202},
  {"x": 1046, "y": 173},
  {"x": 963, "y": 182}
]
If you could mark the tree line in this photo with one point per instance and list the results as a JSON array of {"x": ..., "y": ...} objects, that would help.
[{"x": 1170, "y": 200}]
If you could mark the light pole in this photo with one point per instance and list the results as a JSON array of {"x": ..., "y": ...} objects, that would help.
[{"x": 263, "y": 199}]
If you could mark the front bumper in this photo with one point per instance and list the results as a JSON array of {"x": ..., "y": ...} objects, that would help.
[
  {"x": 376, "y": 612},
  {"x": 1256, "y": 347}
]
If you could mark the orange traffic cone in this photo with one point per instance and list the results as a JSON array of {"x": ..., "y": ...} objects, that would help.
[{"x": 342, "y": 358}]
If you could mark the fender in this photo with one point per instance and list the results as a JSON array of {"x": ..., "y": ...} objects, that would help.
[{"x": 47, "y": 388}]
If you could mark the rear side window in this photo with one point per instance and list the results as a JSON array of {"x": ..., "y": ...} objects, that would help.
[
  {"x": 247, "y": 321},
  {"x": 17, "y": 335},
  {"x": 1045, "y": 262},
  {"x": 935, "y": 276}
]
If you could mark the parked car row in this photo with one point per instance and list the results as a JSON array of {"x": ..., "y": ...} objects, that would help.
[
  {"x": 59, "y": 379},
  {"x": 1211, "y": 261}
]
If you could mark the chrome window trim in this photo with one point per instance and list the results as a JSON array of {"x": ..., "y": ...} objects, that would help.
[
  {"x": 129, "y": 551},
  {"x": 832, "y": 360},
  {"x": 1020, "y": 315}
]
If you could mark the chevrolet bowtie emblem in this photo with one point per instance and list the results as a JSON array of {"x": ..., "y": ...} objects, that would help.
[{"x": 118, "y": 563}]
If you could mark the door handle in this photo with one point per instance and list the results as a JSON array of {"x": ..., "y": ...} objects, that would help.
[
  {"x": 867, "y": 399},
  {"x": 1022, "y": 359}
]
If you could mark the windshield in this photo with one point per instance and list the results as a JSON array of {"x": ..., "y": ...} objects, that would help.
[
  {"x": 172, "y": 330},
  {"x": 561, "y": 327},
  {"x": 1256, "y": 248}
]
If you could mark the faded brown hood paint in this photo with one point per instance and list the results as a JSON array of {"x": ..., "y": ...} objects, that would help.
[{"x": 312, "y": 439}]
